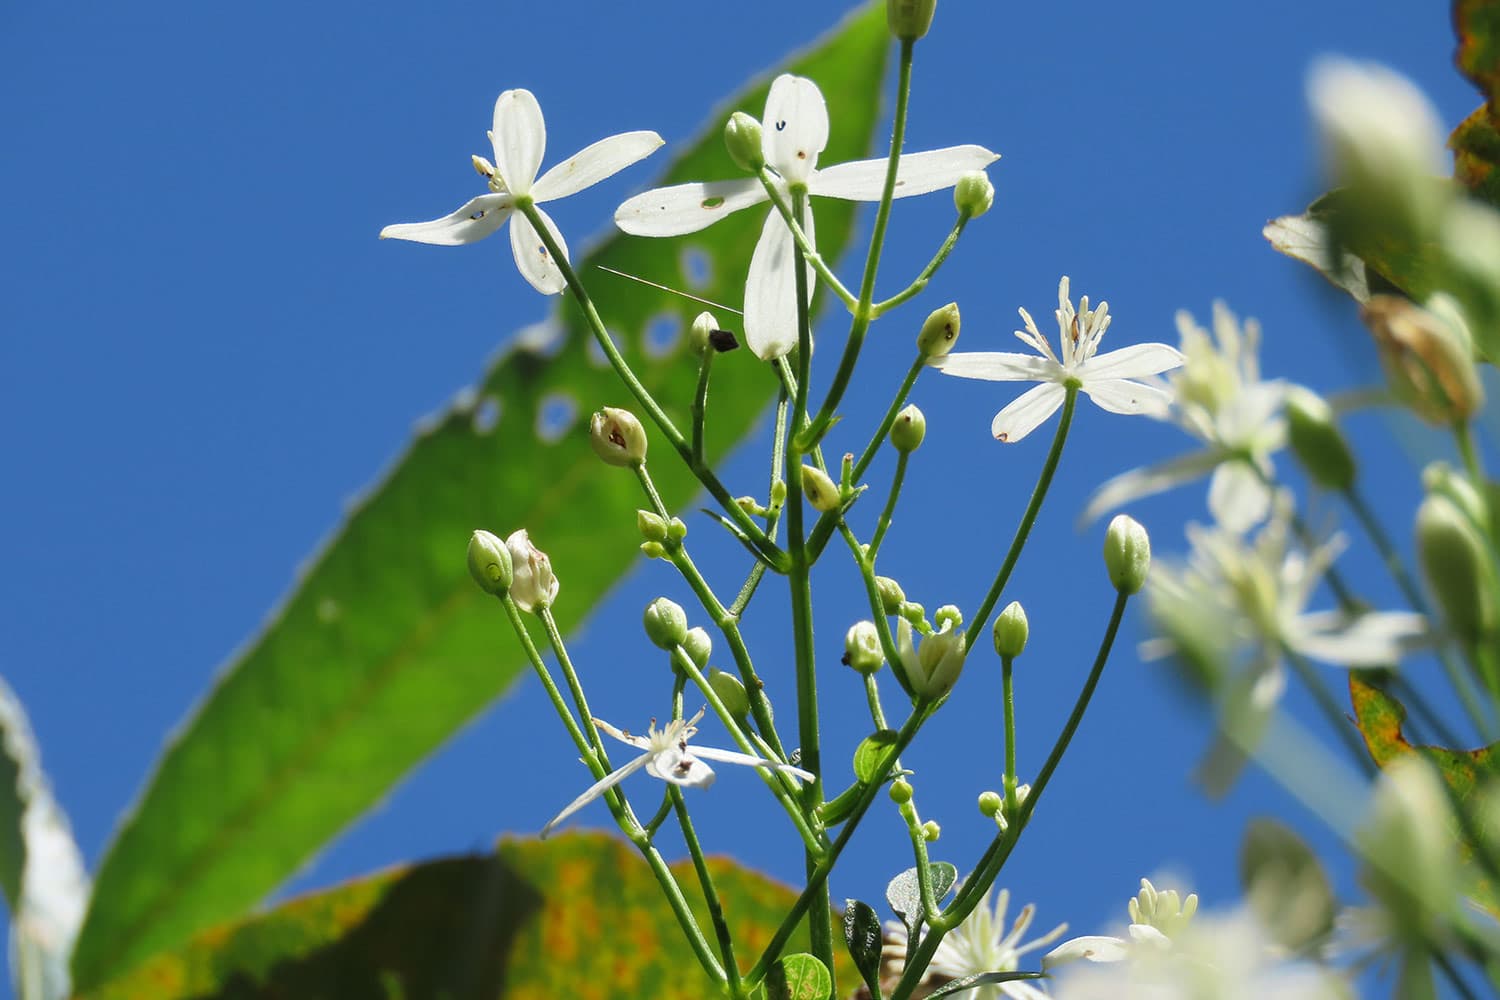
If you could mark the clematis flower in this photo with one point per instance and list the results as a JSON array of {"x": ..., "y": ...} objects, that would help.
[
  {"x": 519, "y": 137},
  {"x": 1108, "y": 379},
  {"x": 667, "y": 756},
  {"x": 1155, "y": 918},
  {"x": 980, "y": 944},
  {"x": 794, "y": 132}
]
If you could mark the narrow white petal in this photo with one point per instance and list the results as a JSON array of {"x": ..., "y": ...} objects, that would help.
[
  {"x": 748, "y": 760},
  {"x": 794, "y": 130},
  {"x": 1238, "y": 498},
  {"x": 1148, "y": 481},
  {"x": 536, "y": 264},
  {"x": 1373, "y": 639},
  {"x": 1120, "y": 396},
  {"x": 686, "y": 208},
  {"x": 1135, "y": 361},
  {"x": 474, "y": 221},
  {"x": 771, "y": 290},
  {"x": 597, "y": 789},
  {"x": 520, "y": 138},
  {"x": 594, "y": 163},
  {"x": 1092, "y": 948},
  {"x": 1000, "y": 366},
  {"x": 639, "y": 742},
  {"x": 1027, "y": 411},
  {"x": 680, "y": 767},
  {"x": 918, "y": 173}
]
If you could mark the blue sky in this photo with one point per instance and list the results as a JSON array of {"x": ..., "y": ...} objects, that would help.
[{"x": 208, "y": 353}]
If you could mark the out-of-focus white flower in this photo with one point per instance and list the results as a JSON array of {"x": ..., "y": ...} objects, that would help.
[
  {"x": 519, "y": 138},
  {"x": 1155, "y": 918},
  {"x": 1217, "y": 397},
  {"x": 794, "y": 132},
  {"x": 981, "y": 944},
  {"x": 1111, "y": 380},
  {"x": 1374, "y": 122}
]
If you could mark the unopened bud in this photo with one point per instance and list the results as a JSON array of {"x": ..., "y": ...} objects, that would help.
[
  {"x": 489, "y": 563},
  {"x": 821, "y": 492},
  {"x": 973, "y": 194},
  {"x": 730, "y": 691},
  {"x": 698, "y": 646},
  {"x": 653, "y": 550},
  {"x": 778, "y": 493},
  {"x": 939, "y": 332},
  {"x": 676, "y": 529},
  {"x": 666, "y": 623},
  {"x": 617, "y": 437},
  {"x": 533, "y": 586},
  {"x": 931, "y": 831},
  {"x": 908, "y": 430},
  {"x": 901, "y": 791},
  {"x": 909, "y": 19},
  {"x": 948, "y": 616},
  {"x": 1428, "y": 356},
  {"x": 1127, "y": 554},
  {"x": 932, "y": 669},
  {"x": 1011, "y": 631},
  {"x": 701, "y": 332},
  {"x": 1314, "y": 436},
  {"x": 862, "y": 648},
  {"x": 990, "y": 803},
  {"x": 1455, "y": 561},
  {"x": 891, "y": 594},
  {"x": 742, "y": 139},
  {"x": 652, "y": 526}
]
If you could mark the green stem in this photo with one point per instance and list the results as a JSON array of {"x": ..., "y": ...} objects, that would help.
[
  {"x": 809, "y": 252},
  {"x": 1007, "y": 664},
  {"x": 1329, "y": 706},
  {"x": 710, "y": 894},
  {"x": 700, "y": 402},
  {"x": 778, "y": 458},
  {"x": 574, "y": 687},
  {"x": 884, "y": 523},
  {"x": 1465, "y": 439},
  {"x": 919, "y": 853},
  {"x": 872, "y": 698},
  {"x": 920, "y": 283}
]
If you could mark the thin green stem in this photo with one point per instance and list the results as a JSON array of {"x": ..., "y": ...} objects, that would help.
[
  {"x": 773, "y": 521},
  {"x": 575, "y": 688},
  {"x": 1329, "y": 706},
  {"x": 883, "y": 524},
  {"x": 710, "y": 894},
  {"x": 1007, "y": 665},
  {"x": 700, "y": 402},
  {"x": 810, "y": 254},
  {"x": 919, "y": 853},
  {"x": 872, "y": 698},
  {"x": 1465, "y": 438},
  {"x": 920, "y": 283},
  {"x": 1450, "y": 973}
]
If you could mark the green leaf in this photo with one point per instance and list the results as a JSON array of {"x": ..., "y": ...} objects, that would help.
[
  {"x": 578, "y": 915},
  {"x": 799, "y": 977},
  {"x": 862, "y": 934},
  {"x": 385, "y": 647},
  {"x": 1285, "y": 885},
  {"x": 981, "y": 979},
  {"x": 905, "y": 892},
  {"x": 871, "y": 753}
]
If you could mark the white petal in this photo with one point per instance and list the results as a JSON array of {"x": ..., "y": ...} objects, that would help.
[
  {"x": 520, "y": 138},
  {"x": 1000, "y": 366},
  {"x": 639, "y": 742},
  {"x": 456, "y": 228},
  {"x": 1237, "y": 496},
  {"x": 1373, "y": 639},
  {"x": 594, "y": 163},
  {"x": 1095, "y": 949},
  {"x": 794, "y": 129},
  {"x": 1135, "y": 361},
  {"x": 686, "y": 208},
  {"x": 748, "y": 760},
  {"x": 597, "y": 789},
  {"x": 536, "y": 264},
  {"x": 1120, "y": 396},
  {"x": 771, "y": 290},
  {"x": 1027, "y": 411},
  {"x": 680, "y": 767},
  {"x": 918, "y": 173},
  {"x": 1148, "y": 481}
]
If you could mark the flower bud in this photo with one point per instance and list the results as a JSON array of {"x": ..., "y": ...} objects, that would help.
[
  {"x": 666, "y": 623},
  {"x": 778, "y": 493},
  {"x": 891, "y": 594},
  {"x": 1408, "y": 844},
  {"x": 948, "y": 615},
  {"x": 489, "y": 563},
  {"x": 909, "y": 19},
  {"x": 698, "y": 646},
  {"x": 862, "y": 648},
  {"x": 821, "y": 492},
  {"x": 1428, "y": 356},
  {"x": 1314, "y": 436},
  {"x": 1011, "y": 631},
  {"x": 1456, "y": 563},
  {"x": 990, "y": 803},
  {"x": 901, "y": 791},
  {"x": 653, "y": 550},
  {"x": 700, "y": 334},
  {"x": 617, "y": 437},
  {"x": 1127, "y": 554},
  {"x": 742, "y": 139},
  {"x": 730, "y": 691},
  {"x": 931, "y": 670},
  {"x": 931, "y": 831},
  {"x": 676, "y": 529},
  {"x": 973, "y": 194},
  {"x": 533, "y": 586},
  {"x": 652, "y": 526},
  {"x": 908, "y": 430},
  {"x": 939, "y": 332}
]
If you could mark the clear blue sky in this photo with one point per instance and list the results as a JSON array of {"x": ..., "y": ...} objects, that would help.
[{"x": 207, "y": 353}]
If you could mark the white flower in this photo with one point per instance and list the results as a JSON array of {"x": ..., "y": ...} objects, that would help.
[
  {"x": 519, "y": 137},
  {"x": 932, "y": 669},
  {"x": 1375, "y": 121},
  {"x": 1108, "y": 379},
  {"x": 1217, "y": 397},
  {"x": 794, "y": 132},
  {"x": 1155, "y": 918},
  {"x": 667, "y": 756},
  {"x": 533, "y": 584},
  {"x": 980, "y": 944}
]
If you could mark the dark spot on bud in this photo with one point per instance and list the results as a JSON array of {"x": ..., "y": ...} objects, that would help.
[
  {"x": 781, "y": 126},
  {"x": 723, "y": 341},
  {"x": 801, "y": 154},
  {"x": 844, "y": 659}
]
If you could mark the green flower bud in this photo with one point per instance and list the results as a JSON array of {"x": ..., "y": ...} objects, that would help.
[
  {"x": 653, "y": 550},
  {"x": 1428, "y": 356},
  {"x": 990, "y": 803},
  {"x": 1011, "y": 631},
  {"x": 730, "y": 691},
  {"x": 909, "y": 19},
  {"x": 862, "y": 648},
  {"x": 666, "y": 623},
  {"x": 701, "y": 332},
  {"x": 821, "y": 492},
  {"x": 1456, "y": 563},
  {"x": 948, "y": 616},
  {"x": 931, "y": 831},
  {"x": 1314, "y": 436},
  {"x": 908, "y": 430},
  {"x": 939, "y": 332},
  {"x": 973, "y": 194},
  {"x": 698, "y": 646},
  {"x": 489, "y": 563},
  {"x": 742, "y": 139},
  {"x": 1127, "y": 554},
  {"x": 1439, "y": 477},
  {"x": 676, "y": 530},
  {"x": 932, "y": 669},
  {"x": 533, "y": 586},
  {"x": 618, "y": 437},
  {"x": 891, "y": 594},
  {"x": 778, "y": 493},
  {"x": 652, "y": 526},
  {"x": 900, "y": 791}
]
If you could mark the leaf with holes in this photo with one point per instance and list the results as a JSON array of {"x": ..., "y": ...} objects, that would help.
[
  {"x": 905, "y": 891},
  {"x": 578, "y": 915},
  {"x": 798, "y": 977},
  {"x": 385, "y": 647}
]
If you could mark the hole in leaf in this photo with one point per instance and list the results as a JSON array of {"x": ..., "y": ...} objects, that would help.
[
  {"x": 697, "y": 268},
  {"x": 486, "y": 415},
  {"x": 555, "y": 415},
  {"x": 714, "y": 202},
  {"x": 544, "y": 339},
  {"x": 662, "y": 334}
]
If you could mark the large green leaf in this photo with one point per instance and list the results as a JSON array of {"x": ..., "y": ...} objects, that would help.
[
  {"x": 385, "y": 647},
  {"x": 577, "y": 916}
]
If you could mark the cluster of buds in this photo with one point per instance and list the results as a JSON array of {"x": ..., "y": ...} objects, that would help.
[{"x": 514, "y": 567}]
